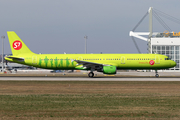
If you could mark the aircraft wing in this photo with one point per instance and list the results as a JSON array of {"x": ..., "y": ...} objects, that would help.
[{"x": 90, "y": 65}]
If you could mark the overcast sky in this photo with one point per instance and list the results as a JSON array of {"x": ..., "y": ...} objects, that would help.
[{"x": 58, "y": 26}]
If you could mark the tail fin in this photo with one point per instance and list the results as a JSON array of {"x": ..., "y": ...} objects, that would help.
[{"x": 17, "y": 45}]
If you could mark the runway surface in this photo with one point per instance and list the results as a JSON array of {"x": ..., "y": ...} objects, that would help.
[{"x": 84, "y": 79}]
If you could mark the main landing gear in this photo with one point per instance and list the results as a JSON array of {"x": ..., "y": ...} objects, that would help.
[
  {"x": 91, "y": 74},
  {"x": 157, "y": 75}
]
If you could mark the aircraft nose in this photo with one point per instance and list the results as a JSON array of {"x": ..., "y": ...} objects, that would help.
[{"x": 173, "y": 63}]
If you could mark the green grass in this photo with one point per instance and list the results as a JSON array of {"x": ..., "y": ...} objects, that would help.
[{"x": 89, "y": 100}]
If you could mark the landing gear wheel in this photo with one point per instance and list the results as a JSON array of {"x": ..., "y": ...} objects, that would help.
[
  {"x": 157, "y": 75},
  {"x": 91, "y": 74}
]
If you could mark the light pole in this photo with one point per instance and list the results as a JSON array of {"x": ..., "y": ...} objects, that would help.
[
  {"x": 2, "y": 53},
  {"x": 86, "y": 37}
]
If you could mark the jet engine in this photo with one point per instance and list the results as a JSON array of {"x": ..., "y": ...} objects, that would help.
[{"x": 108, "y": 70}]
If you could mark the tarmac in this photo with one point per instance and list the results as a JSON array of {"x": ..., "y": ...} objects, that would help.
[
  {"x": 83, "y": 76},
  {"x": 84, "y": 79}
]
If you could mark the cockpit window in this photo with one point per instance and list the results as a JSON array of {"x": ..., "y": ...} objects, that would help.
[{"x": 167, "y": 59}]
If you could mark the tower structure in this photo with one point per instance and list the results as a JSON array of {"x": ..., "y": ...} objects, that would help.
[{"x": 165, "y": 43}]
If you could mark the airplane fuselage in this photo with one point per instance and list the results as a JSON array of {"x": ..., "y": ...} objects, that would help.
[{"x": 121, "y": 61}]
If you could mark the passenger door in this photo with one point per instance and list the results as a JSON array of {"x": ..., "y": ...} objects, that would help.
[
  {"x": 157, "y": 60},
  {"x": 34, "y": 59},
  {"x": 123, "y": 60}
]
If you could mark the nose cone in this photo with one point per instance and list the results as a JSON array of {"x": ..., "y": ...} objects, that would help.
[{"x": 173, "y": 63}]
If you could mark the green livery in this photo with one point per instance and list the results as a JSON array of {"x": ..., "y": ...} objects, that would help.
[{"x": 106, "y": 63}]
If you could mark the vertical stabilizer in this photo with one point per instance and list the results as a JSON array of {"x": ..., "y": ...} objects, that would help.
[{"x": 17, "y": 45}]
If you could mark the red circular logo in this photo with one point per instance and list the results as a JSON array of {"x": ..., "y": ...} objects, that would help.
[
  {"x": 17, "y": 45},
  {"x": 151, "y": 62}
]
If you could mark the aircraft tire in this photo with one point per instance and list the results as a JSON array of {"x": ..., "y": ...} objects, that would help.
[
  {"x": 157, "y": 75},
  {"x": 91, "y": 74}
]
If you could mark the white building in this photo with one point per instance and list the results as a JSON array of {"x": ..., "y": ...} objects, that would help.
[
  {"x": 167, "y": 44},
  {"x": 163, "y": 43}
]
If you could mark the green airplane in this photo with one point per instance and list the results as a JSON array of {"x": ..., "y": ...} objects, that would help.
[{"x": 106, "y": 63}]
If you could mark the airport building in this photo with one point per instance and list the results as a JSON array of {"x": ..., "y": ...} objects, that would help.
[{"x": 165, "y": 43}]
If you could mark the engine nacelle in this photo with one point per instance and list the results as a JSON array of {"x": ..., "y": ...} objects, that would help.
[{"x": 109, "y": 69}]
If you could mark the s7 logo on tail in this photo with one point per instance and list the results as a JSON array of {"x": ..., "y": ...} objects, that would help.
[{"x": 17, "y": 45}]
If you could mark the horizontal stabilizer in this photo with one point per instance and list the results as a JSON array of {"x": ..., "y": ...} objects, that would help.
[{"x": 16, "y": 59}]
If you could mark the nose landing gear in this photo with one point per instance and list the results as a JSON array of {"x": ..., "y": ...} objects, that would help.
[{"x": 157, "y": 75}]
